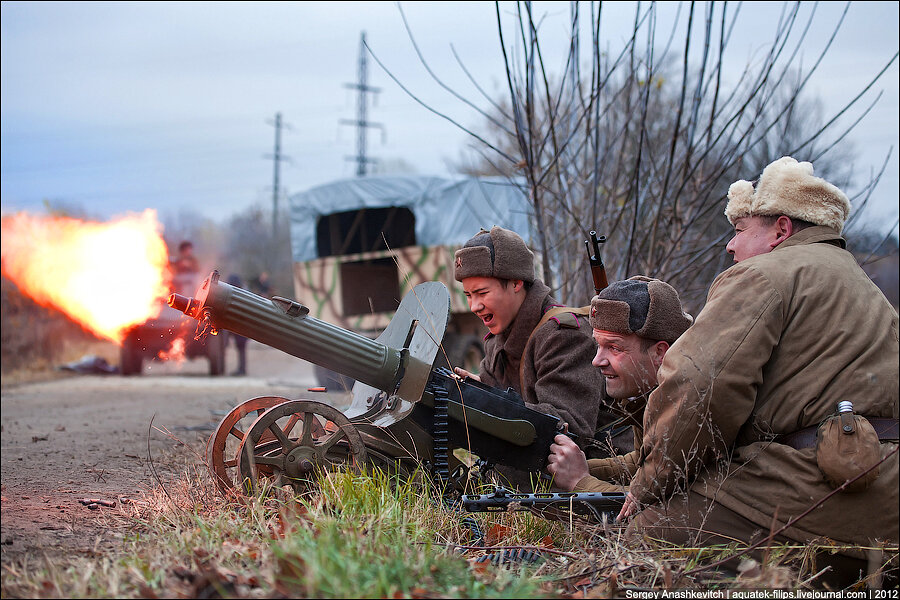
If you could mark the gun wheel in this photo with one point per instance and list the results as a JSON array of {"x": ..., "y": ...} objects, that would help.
[
  {"x": 294, "y": 441},
  {"x": 226, "y": 440}
]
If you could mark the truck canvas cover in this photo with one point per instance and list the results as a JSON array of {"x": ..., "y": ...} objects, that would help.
[{"x": 447, "y": 211}]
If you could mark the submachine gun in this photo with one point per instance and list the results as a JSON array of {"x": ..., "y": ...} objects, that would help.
[{"x": 404, "y": 413}]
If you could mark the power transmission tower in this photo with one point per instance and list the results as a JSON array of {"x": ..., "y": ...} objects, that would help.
[
  {"x": 361, "y": 106},
  {"x": 277, "y": 157}
]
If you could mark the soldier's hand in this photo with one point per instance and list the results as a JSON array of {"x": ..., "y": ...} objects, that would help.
[
  {"x": 566, "y": 463},
  {"x": 629, "y": 508},
  {"x": 463, "y": 373}
]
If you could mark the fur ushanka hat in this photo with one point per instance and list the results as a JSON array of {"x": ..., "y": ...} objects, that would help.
[
  {"x": 787, "y": 187},
  {"x": 499, "y": 253},
  {"x": 647, "y": 307}
]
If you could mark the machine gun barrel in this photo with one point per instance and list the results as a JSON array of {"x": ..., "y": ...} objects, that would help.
[{"x": 286, "y": 325}]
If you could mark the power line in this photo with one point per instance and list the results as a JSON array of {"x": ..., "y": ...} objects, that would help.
[
  {"x": 277, "y": 157},
  {"x": 361, "y": 121}
]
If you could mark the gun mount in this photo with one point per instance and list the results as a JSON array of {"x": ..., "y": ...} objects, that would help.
[{"x": 403, "y": 411}]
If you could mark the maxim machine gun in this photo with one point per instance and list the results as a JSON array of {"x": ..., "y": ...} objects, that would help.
[{"x": 403, "y": 413}]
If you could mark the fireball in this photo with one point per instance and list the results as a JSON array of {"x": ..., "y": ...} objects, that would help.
[{"x": 106, "y": 276}]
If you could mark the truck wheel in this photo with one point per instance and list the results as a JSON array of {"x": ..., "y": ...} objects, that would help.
[
  {"x": 130, "y": 358},
  {"x": 335, "y": 382},
  {"x": 215, "y": 351}
]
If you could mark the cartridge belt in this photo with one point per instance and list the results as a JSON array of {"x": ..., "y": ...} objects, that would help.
[{"x": 887, "y": 430}]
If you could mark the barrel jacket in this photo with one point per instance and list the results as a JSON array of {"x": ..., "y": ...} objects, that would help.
[
  {"x": 557, "y": 373},
  {"x": 782, "y": 339}
]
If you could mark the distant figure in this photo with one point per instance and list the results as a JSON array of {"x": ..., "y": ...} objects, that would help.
[
  {"x": 261, "y": 285},
  {"x": 240, "y": 342},
  {"x": 185, "y": 262}
]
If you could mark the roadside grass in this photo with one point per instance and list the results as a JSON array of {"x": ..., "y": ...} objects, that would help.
[{"x": 372, "y": 535}]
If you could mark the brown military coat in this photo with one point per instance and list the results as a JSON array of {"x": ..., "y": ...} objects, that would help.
[
  {"x": 558, "y": 376},
  {"x": 783, "y": 338},
  {"x": 611, "y": 474}
]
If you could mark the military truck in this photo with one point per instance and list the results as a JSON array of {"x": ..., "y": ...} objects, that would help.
[
  {"x": 147, "y": 340},
  {"x": 359, "y": 245}
]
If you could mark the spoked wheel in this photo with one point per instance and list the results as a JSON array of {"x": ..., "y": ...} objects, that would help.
[
  {"x": 224, "y": 444},
  {"x": 291, "y": 442}
]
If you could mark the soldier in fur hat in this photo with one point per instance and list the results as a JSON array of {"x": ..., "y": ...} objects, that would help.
[
  {"x": 793, "y": 328},
  {"x": 635, "y": 321},
  {"x": 543, "y": 359}
]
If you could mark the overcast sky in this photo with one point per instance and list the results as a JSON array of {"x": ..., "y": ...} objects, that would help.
[{"x": 116, "y": 107}]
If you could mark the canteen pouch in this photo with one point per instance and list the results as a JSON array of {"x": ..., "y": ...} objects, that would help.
[{"x": 846, "y": 446}]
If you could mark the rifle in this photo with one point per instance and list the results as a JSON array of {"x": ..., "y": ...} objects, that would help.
[
  {"x": 598, "y": 270},
  {"x": 594, "y": 504}
]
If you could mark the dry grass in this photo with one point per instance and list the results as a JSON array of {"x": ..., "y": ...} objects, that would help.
[{"x": 371, "y": 535}]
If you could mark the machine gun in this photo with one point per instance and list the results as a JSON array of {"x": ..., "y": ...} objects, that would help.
[{"x": 403, "y": 411}]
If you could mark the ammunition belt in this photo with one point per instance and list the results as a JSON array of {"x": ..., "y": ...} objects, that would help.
[{"x": 887, "y": 430}]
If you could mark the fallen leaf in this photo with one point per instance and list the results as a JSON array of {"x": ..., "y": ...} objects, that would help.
[{"x": 496, "y": 534}]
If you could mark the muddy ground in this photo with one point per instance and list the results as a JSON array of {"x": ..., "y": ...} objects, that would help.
[{"x": 69, "y": 437}]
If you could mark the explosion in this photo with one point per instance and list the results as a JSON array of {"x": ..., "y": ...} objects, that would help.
[{"x": 107, "y": 277}]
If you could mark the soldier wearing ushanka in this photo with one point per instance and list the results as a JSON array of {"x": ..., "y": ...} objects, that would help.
[
  {"x": 794, "y": 328},
  {"x": 634, "y": 323},
  {"x": 549, "y": 365}
]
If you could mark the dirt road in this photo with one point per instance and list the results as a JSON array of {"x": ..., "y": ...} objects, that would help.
[{"x": 90, "y": 436}]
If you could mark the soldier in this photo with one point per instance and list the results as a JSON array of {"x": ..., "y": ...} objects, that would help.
[
  {"x": 185, "y": 261},
  {"x": 731, "y": 449},
  {"x": 544, "y": 361},
  {"x": 634, "y": 322}
]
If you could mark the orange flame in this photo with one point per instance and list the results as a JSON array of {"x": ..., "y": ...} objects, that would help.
[{"x": 105, "y": 276}]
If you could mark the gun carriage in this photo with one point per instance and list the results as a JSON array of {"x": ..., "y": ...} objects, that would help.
[{"x": 404, "y": 413}]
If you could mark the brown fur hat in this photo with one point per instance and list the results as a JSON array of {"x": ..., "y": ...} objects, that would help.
[
  {"x": 647, "y": 307},
  {"x": 499, "y": 253},
  {"x": 787, "y": 187}
]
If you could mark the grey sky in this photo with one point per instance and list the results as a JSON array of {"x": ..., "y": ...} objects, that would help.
[{"x": 114, "y": 107}]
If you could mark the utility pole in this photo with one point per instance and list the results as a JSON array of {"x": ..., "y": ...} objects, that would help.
[
  {"x": 361, "y": 106},
  {"x": 277, "y": 158}
]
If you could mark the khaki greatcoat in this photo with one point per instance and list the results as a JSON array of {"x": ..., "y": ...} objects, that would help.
[
  {"x": 557, "y": 374},
  {"x": 783, "y": 338}
]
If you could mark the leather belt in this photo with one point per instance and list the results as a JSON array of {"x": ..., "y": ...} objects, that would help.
[{"x": 887, "y": 430}]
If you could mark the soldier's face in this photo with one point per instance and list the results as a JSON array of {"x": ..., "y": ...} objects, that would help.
[
  {"x": 495, "y": 304},
  {"x": 628, "y": 366},
  {"x": 752, "y": 236}
]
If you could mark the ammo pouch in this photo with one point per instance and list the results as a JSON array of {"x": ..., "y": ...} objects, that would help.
[{"x": 846, "y": 446}]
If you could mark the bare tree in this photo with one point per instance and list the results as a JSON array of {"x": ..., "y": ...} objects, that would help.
[
  {"x": 644, "y": 145},
  {"x": 250, "y": 249}
]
